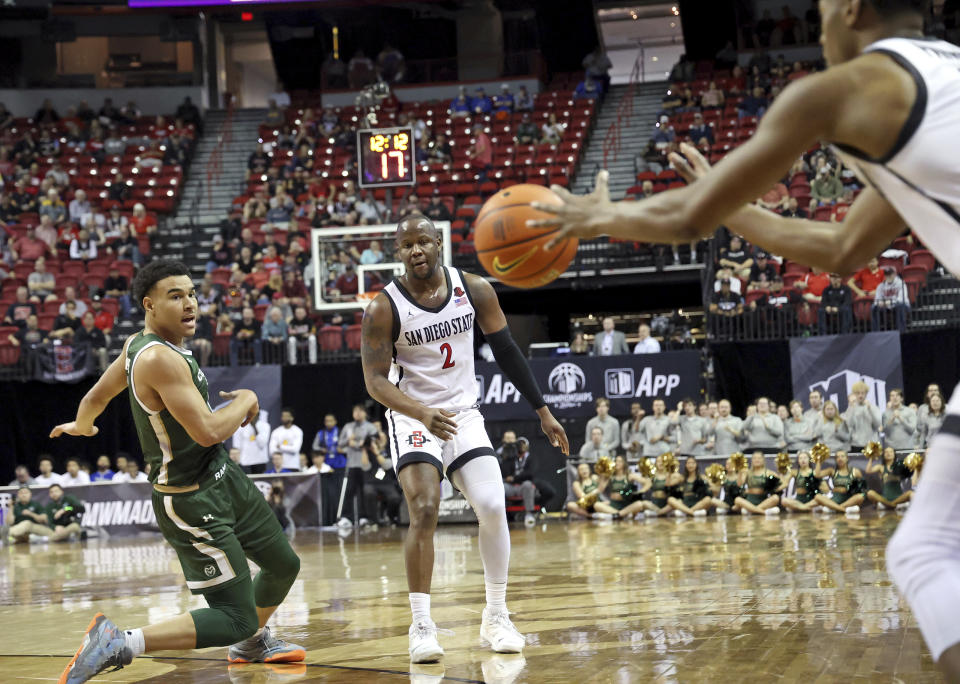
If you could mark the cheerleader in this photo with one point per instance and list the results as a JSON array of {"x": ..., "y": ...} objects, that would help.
[
  {"x": 695, "y": 499},
  {"x": 834, "y": 431},
  {"x": 585, "y": 486},
  {"x": 807, "y": 486},
  {"x": 731, "y": 489},
  {"x": 625, "y": 491},
  {"x": 761, "y": 496},
  {"x": 664, "y": 485},
  {"x": 848, "y": 485},
  {"x": 892, "y": 471}
]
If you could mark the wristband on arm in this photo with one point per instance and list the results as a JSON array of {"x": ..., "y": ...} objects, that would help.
[{"x": 515, "y": 366}]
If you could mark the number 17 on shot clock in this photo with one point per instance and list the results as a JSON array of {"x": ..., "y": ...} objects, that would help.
[{"x": 386, "y": 157}]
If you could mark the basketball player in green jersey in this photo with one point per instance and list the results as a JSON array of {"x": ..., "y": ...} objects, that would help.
[{"x": 206, "y": 507}]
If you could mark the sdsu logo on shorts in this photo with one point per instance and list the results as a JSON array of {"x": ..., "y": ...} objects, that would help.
[{"x": 416, "y": 439}]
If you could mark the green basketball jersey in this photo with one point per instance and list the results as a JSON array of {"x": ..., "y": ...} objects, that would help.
[{"x": 175, "y": 459}]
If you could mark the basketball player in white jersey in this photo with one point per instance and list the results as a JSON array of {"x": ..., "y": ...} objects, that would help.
[
  {"x": 418, "y": 362},
  {"x": 890, "y": 104}
]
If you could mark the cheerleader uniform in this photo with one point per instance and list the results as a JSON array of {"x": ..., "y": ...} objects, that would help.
[{"x": 807, "y": 487}]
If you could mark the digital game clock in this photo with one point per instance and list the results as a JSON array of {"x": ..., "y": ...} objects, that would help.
[{"x": 386, "y": 157}]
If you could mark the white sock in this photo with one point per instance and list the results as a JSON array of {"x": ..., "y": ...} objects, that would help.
[
  {"x": 496, "y": 595},
  {"x": 420, "y": 606},
  {"x": 134, "y": 638}
]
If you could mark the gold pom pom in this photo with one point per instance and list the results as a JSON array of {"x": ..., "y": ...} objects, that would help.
[
  {"x": 587, "y": 500},
  {"x": 604, "y": 466},
  {"x": 670, "y": 462},
  {"x": 914, "y": 461},
  {"x": 647, "y": 467},
  {"x": 739, "y": 460},
  {"x": 716, "y": 474},
  {"x": 783, "y": 463},
  {"x": 820, "y": 452},
  {"x": 873, "y": 450}
]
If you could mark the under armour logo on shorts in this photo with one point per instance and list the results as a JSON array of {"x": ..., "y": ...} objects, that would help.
[{"x": 207, "y": 517}]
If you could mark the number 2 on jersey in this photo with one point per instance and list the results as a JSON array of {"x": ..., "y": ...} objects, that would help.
[{"x": 448, "y": 361}]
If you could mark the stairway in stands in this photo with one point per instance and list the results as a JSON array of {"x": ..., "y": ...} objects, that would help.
[
  {"x": 647, "y": 98},
  {"x": 189, "y": 235}
]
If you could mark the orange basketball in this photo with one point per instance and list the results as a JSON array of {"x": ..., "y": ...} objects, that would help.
[{"x": 513, "y": 252}]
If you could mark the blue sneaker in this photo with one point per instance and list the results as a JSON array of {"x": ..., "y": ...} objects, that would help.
[
  {"x": 265, "y": 648},
  {"x": 104, "y": 645}
]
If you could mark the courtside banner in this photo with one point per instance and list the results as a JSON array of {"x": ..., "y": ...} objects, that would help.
[
  {"x": 833, "y": 363},
  {"x": 571, "y": 384},
  {"x": 126, "y": 508}
]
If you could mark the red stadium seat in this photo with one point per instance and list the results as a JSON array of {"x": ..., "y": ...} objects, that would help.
[
  {"x": 9, "y": 354},
  {"x": 353, "y": 337},
  {"x": 331, "y": 338},
  {"x": 924, "y": 258}
]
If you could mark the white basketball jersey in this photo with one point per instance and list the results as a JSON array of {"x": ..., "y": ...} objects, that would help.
[
  {"x": 920, "y": 177},
  {"x": 433, "y": 347}
]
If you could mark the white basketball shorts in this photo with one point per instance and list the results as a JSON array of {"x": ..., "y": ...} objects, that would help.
[{"x": 412, "y": 442}]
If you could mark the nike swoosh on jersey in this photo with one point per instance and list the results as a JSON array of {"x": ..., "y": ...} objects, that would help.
[{"x": 502, "y": 268}]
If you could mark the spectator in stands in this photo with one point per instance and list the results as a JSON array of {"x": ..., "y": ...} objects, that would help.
[
  {"x": 775, "y": 198},
  {"x": 594, "y": 448},
  {"x": 258, "y": 162},
  {"x": 66, "y": 324},
  {"x": 276, "y": 465},
  {"x": 645, "y": 343},
  {"x": 663, "y": 132},
  {"x": 527, "y": 133},
  {"x": 762, "y": 272},
  {"x": 103, "y": 319},
  {"x": 736, "y": 257},
  {"x": 130, "y": 473},
  {"x": 20, "y": 309},
  {"x": 189, "y": 112},
  {"x": 6, "y": 117},
  {"x": 683, "y": 70},
  {"x": 302, "y": 335},
  {"x": 141, "y": 222},
  {"x": 90, "y": 332},
  {"x": 727, "y": 274},
  {"x": 523, "y": 101},
  {"x": 825, "y": 189},
  {"x": 812, "y": 285},
  {"x": 441, "y": 150},
  {"x": 754, "y": 104},
  {"x": 764, "y": 430},
  {"x": 21, "y": 477},
  {"x": 275, "y": 116},
  {"x": 117, "y": 287},
  {"x": 930, "y": 418},
  {"x": 815, "y": 412},
  {"x": 22, "y": 199},
  {"x": 118, "y": 191},
  {"x": 221, "y": 256},
  {"x": 83, "y": 247},
  {"x": 30, "y": 335},
  {"x": 246, "y": 336},
  {"x": 899, "y": 423},
  {"x": 52, "y": 206},
  {"x": 836, "y": 307},
  {"x": 631, "y": 433},
  {"x": 700, "y": 131},
  {"x": 67, "y": 233},
  {"x": 657, "y": 431},
  {"x": 79, "y": 207},
  {"x": 353, "y": 437},
  {"x": 46, "y": 477},
  {"x": 792, "y": 209},
  {"x": 712, "y": 98},
  {"x": 460, "y": 106},
  {"x": 481, "y": 103},
  {"x": 865, "y": 281},
  {"x": 727, "y": 431},
  {"x": 372, "y": 254},
  {"x": 776, "y": 309},
  {"x": 41, "y": 283},
  {"x": 692, "y": 431},
  {"x": 610, "y": 341},
  {"x": 274, "y": 335},
  {"x": 862, "y": 418},
  {"x": 391, "y": 65},
  {"x": 503, "y": 102},
  {"x": 587, "y": 89},
  {"x": 891, "y": 296},
  {"x": 437, "y": 210},
  {"x": 46, "y": 114},
  {"x": 103, "y": 473},
  {"x": 724, "y": 307},
  {"x": 608, "y": 425},
  {"x": 481, "y": 152},
  {"x": 70, "y": 295},
  {"x": 74, "y": 476},
  {"x": 552, "y": 131}
]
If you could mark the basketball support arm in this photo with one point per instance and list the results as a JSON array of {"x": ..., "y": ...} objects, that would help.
[{"x": 511, "y": 361}]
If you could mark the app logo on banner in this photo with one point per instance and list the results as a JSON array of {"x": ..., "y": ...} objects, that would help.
[
  {"x": 620, "y": 383},
  {"x": 566, "y": 383}
]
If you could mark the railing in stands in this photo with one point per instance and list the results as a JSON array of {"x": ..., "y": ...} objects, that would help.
[
  {"x": 611, "y": 140},
  {"x": 215, "y": 163}
]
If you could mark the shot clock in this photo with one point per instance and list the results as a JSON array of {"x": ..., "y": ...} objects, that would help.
[{"x": 386, "y": 157}]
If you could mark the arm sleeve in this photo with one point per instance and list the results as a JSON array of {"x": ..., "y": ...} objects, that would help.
[{"x": 510, "y": 359}]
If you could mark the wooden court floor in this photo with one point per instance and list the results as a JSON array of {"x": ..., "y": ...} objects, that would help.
[{"x": 732, "y": 599}]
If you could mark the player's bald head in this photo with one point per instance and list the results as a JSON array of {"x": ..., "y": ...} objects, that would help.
[{"x": 416, "y": 223}]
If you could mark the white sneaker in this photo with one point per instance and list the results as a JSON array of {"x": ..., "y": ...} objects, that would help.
[
  {"x": 903, "y": 506},
  {"x": 851, "y": 510},
  {"x": 529, "y": 520},
  {"x": 601, "y": 516},
  {"x": 700, "y": 513},
  {"x": 772, "y": 511},
  {"x": 827, "y": 509},
  {"x": 363, "y": 522},
  {"x": 424, "y": 647},
  {"x": 344, "y": 523},
  {"x": 679, "y": 514},
  {"x": 744, "y": 511},
  {"x": 722, "y": 511},
  {"x": 650, "y": 514},
  {"x": 502, "y": 668},
  {"x": 38, "y": 538},
  {"x": 497, "y": 630}
]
